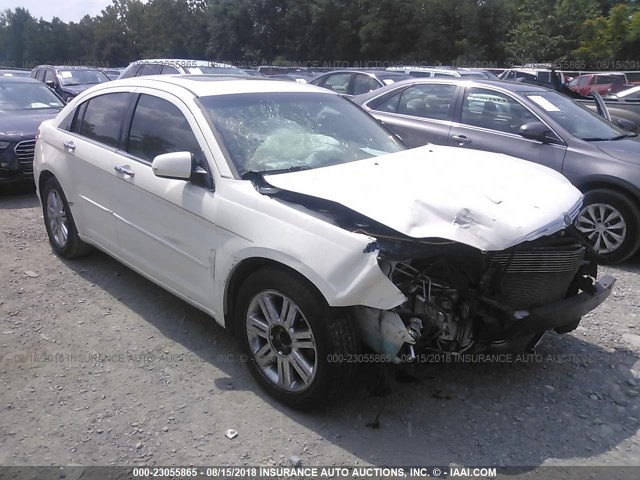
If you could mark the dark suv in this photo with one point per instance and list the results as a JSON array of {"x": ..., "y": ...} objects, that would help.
[{"x": 68, "y": 81}]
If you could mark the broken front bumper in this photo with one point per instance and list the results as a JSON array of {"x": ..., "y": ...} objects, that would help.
[{"x": 558, "y": 314}]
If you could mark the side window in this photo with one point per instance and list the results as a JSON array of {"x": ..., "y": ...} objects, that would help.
[
  {"x": 418, "y": 74},
  {"x": 428, "y": 101},
  {"x": 364, "y": 83},
  {"x": 338, "y": 82},
  {"x": 131, "y": 71},
  {"x": 158, "y": 127},
  {"x": 389, "y": 105},
  {"x": 104, "y": 117},
  {"x": 49, "y": 76},
  {"x": 150, "y": 69},
  {"x": 68, "y": 121},
  {"x": 494, "y": 110},
  {"x": 168, "y": 70},
  {"x": 445, "y": 75}
]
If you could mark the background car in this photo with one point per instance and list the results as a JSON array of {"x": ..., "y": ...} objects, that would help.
[
  {"x": 24, "y": 104},
  {"x": 112, "y": 73},
  {"x": 536, "y": 76},
  {"x": 436, "y": 72},
  {"x": 68, "y": 82},
  {"x": 603, "y": 83},
  {"x": 628, "y": 95},
  {"x": 8, "y": 72},
  {"x": 160, "y": 66},
  {"x": 355, "y": 82},
  {"x": 536, "y": 124}
]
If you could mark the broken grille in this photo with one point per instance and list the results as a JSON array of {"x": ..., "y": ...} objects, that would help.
[{"x": 537, "y": 276}]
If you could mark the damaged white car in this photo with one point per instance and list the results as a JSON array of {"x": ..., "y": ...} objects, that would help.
[{"x": 293, "y": 217}]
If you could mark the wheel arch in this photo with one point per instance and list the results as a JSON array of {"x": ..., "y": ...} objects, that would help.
[
  {"x": 611, "y": 183},
  {"x": 43, "y": 177},
  {"x": 242, "y": 271}
]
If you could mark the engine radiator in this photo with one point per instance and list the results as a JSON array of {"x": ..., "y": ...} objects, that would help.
[{"x": 537, "y": 275}]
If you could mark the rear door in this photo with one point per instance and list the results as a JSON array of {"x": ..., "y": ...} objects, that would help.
[
  {"x": 420, "y": 114},
  {"x": 89, "y": 141},
  {"x": 490, "y": 120}
]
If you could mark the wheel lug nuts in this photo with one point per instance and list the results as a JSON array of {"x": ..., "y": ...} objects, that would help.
[{"x": 291, "y": 330}]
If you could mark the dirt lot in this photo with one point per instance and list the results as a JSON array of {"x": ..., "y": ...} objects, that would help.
[{"x": 100, "y": 366}]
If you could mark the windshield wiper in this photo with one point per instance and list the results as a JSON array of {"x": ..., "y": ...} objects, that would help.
[
  {"x": 625, "y": 135},
  {"x": 251, "y": 173},
  {"x": 618, "y": 137}
]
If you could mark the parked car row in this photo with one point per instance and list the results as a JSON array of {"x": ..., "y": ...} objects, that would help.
[
  {"x": 298, "y": 221},
  {"x": 536, "y": 124}
]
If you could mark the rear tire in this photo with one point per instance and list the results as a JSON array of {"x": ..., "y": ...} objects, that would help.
[
  {"x": 611, "y": 222},
  {"x": 58, "y": 220},
  {"x": 298, "y": 348}
]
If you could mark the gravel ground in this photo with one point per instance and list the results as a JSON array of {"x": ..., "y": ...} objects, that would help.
[{"x": 98, "y": 366}]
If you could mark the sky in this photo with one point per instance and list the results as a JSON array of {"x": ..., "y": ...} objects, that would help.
[{"x": 66, "y": 10}]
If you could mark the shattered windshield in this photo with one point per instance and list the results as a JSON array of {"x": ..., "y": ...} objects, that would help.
[{"x": 268, "y": 132}]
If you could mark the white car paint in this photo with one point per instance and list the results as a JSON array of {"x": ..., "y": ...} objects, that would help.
[
  {"x": 486, "y": 200},
  {"x": 190, "y": 240}
]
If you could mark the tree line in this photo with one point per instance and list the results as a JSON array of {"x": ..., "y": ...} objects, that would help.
[{"x": 585, "y": 34}]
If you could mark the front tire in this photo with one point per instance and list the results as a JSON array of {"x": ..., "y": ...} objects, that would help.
[
  {"x": 61, "y": 229},
  {"x": 611, "y": 222},
  {"x": 299, "y": 349}
]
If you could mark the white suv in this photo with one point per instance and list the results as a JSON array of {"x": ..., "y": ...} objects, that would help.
[
  {"x": 168, "y": 66},
  {"x": 293, "y": 217}
]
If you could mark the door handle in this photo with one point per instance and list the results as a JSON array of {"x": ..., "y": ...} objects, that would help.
[
  {"x": 461, "y": 139},
  {"x": 69, "y": 146},
  {"x": 124, "y": 170}
]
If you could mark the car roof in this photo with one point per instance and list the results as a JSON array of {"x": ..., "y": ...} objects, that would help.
[
  {"x": 4, "y": 79},
  {"x": 205, "y": 85},
  {"x": 182, "y": 62},
  {"x": 516, "y": 87},
  {"x": 69, "y": 67}
]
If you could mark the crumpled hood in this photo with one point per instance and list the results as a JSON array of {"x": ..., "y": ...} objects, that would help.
[
  {"x": 485, "y": 200},
  {"x": 21, "y": 123},
  {"x": 626, "y": 149}
]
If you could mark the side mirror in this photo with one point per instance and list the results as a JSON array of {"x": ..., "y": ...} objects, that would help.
[
  {"x": 628, "y": 125},
  {"x": 535, "y": 131},
  {"x": 176, "y": 165},
  {"x": 50, "y": 83}
]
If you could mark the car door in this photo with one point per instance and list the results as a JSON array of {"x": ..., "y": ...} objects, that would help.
[
  {"x": 419, "y": 114},
  {"x": 161, "y": 222},
  {"x": 88, "y": 139},
  {"x": 490, "y": 120}
]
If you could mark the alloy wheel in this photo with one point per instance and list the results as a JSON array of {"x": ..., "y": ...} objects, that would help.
[
  {"x": 604, "y": 226},
  {"x": 281, "y": 341},
  {"x": 57, "y": 218}
]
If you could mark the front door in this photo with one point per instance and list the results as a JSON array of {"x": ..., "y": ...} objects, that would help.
[{"x": 490, "y": 120}]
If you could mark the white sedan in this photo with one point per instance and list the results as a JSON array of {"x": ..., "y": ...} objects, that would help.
[{"x": 293, "y": 217}]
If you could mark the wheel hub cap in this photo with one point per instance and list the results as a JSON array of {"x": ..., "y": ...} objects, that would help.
[
  {"x": 57, "y": 218},
  {"x": 281, "y": 341},
  {"x": 604, "y": 226}
]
